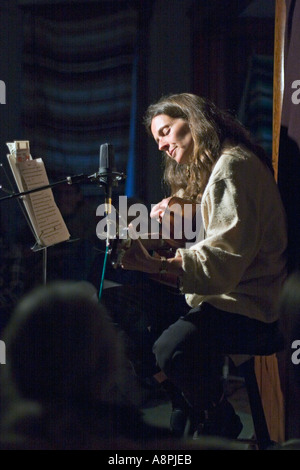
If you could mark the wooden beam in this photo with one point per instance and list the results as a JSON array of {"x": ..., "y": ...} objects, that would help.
[{"x": 278, "y": 78}]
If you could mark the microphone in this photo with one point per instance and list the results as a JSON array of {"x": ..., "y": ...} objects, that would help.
[
  {"x": 106, "y": 167},
  {"x": 106, "y": 164},
  {"x": 106, "y": 176}
]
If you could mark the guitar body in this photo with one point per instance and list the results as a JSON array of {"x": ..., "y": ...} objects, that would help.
[{"x": 177, "y": 222}]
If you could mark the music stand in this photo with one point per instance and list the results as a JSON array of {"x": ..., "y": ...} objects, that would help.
[{"x": 104, "y": 179}]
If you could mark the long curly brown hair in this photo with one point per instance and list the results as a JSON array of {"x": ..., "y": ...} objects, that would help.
[{"x": 210, "y": 127}]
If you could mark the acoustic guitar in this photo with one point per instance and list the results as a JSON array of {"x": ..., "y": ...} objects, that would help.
[{"x": 177, "y": 227}]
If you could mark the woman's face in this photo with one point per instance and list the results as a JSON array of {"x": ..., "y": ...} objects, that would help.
[{"x": 173, "y": 136}]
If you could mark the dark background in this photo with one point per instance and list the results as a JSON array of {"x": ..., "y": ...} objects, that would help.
[
  {"x": 79, "y": 74},
  {"x": 171, "y": 46}
]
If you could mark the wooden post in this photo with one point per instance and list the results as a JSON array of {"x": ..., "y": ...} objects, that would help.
[
  {"x": 266, "y": 367},
  {"x": 278, "y": 78}
]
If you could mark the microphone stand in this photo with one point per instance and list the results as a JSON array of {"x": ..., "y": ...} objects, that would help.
[
  {"x": 96, "y": 177},
  {"x": 107, "y": 180},
  {"x": 14, "y": 195}
]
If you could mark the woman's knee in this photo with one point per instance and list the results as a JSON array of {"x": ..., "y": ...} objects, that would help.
[
  {"x": 160, "y": 350},
  {"x": 172, "y": 343}
]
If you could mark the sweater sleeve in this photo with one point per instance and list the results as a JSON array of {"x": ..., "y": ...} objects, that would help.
[{"x": 216, "y": 264}]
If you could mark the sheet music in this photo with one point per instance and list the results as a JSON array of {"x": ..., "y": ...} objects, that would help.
[
  {"x": 50, "y": 225},
  {"x": 44, "y": 215}
]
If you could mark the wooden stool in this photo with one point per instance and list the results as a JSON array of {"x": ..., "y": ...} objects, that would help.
[
  {"x": 262, "y": 435},
  {"x": 247, "y": 369}
]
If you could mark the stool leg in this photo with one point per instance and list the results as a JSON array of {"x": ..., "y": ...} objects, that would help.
[{"x": 258, "y": 415}]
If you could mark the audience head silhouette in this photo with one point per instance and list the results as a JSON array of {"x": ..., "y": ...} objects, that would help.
[
  {"x": 61, "y": 344},
  {"x": 62, "y": 360}
]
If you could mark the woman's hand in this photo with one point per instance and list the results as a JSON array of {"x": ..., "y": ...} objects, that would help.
[
  {"x": 158, "y": 210},
  {"x": 137, "y": 258}
]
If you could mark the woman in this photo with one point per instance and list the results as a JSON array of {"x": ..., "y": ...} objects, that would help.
[{"x": 233, "y": 274}]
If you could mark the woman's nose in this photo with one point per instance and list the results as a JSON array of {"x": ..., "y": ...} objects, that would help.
[{"x": 162, "y": 144}]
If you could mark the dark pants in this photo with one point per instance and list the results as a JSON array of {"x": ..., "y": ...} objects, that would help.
[
  {"x": 191, "y": 351},
  {"x": 142, "y": 312},
  {"x": 189, "y": 345}
]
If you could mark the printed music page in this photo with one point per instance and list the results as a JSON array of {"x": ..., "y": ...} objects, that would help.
[{"x": 47, "y": 222}]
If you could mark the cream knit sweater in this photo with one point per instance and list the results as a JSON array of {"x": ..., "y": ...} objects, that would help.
[{"x": 240, "y": 265}]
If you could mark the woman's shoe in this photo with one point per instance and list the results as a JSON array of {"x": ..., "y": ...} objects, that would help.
[
  {"x": 180, "y": 409},
  {"x": 178, "y": 422},
  {"x": 220, "y": 421}
]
